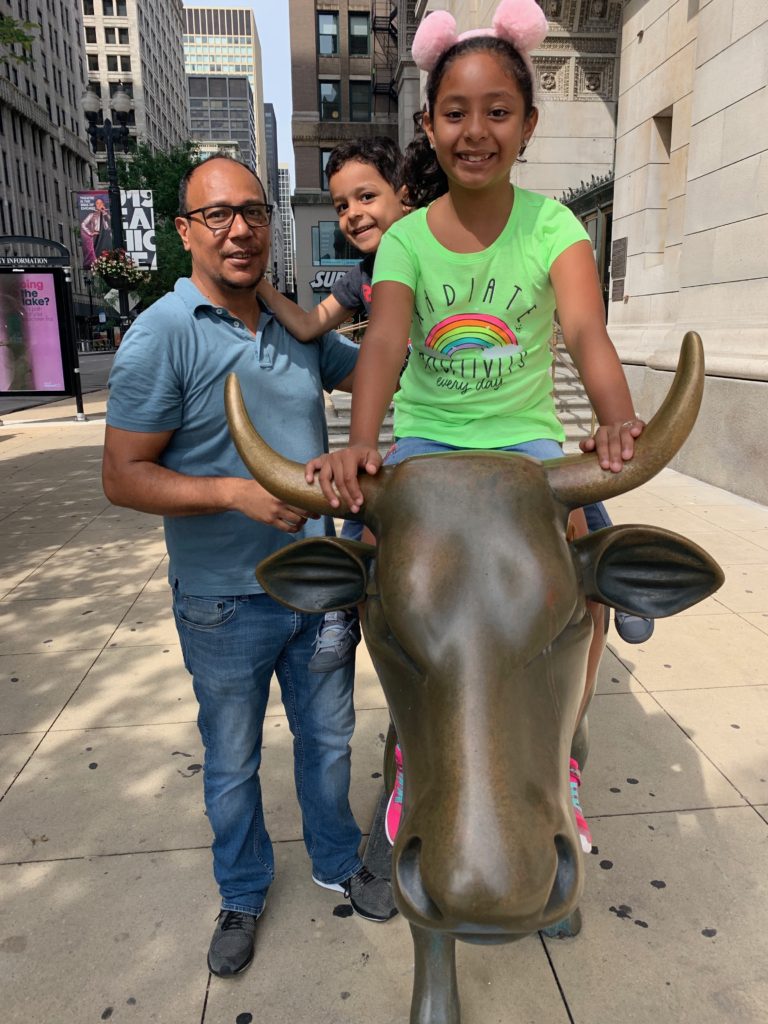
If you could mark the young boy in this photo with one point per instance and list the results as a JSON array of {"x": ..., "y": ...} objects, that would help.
[{"x": 365, "y": 179}]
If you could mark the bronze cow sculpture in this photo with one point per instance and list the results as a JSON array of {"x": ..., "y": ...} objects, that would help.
[{"x": 477, "y": 623}]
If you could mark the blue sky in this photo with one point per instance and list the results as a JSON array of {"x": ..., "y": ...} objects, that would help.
[{"x": 274, "y": 35}]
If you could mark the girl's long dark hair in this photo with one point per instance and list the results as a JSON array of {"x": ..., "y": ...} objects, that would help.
[{"x": 425, "y": 179}]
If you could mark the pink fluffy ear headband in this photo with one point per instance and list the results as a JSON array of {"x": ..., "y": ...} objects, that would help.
[{"x": 520, "y": 22}]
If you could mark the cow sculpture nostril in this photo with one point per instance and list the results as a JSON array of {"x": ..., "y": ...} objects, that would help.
[
  {"x": 566, "y": 879},
  {"x": 410, "y": 882}
]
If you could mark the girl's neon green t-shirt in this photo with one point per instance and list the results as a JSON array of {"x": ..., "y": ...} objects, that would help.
[{"x": 479, "y": 371}]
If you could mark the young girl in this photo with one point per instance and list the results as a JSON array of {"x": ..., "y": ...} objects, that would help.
[{"x": 474, "y": 279}]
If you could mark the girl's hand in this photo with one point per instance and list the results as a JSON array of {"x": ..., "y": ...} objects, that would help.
[
  {"x": 614, "y": 444},
  {"x": 337, "y": 474}
]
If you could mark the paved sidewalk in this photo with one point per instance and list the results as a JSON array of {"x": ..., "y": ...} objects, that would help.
[{"x": 106, "y": 896}]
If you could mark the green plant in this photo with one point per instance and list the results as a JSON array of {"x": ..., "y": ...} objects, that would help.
[{"x": 117, "y": 268}]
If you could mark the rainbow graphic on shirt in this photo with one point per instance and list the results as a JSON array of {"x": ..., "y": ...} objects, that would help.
[{"x": 466, "y": 332}]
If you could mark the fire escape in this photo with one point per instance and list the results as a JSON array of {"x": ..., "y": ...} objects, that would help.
[{"x": 385, "y": 55}]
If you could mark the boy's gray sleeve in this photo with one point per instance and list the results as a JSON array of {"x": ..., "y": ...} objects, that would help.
[
  {"x": 338, "y": 357},
  {"x": 347, "y": 290}
]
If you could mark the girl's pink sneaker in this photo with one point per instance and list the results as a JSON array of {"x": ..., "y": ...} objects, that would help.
[
  {"x": 395, "y": 804},
  {"x": 581, "y": 822}
]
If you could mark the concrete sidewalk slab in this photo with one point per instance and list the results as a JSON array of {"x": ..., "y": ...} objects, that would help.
[
  {"x": 644, "y": 763},
  {"x": 106, "y": 938},
  {"x": 677, "y": 657},
  {"x": 35, "y": 687},
  {"x": 315, "y": 965},
  {"x": 91, "y": 924},
  {"x": 674, "y": 911}
]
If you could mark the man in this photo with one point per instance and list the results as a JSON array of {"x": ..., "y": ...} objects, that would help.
[{"x": 168, "y": 451}]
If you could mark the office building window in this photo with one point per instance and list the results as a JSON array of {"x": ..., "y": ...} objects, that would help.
[
  {"x": 327, "y": 34},
  {"x": 360, "y": 101},
  {"x": 359, "y": 35},
  {"x": 330, "y": 101},
  {"x": 324, "y": 155},
  {"x": 329, "y": 246}
]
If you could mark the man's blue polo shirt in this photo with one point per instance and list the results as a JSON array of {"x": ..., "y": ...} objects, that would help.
[{"x": 169, "y": 374}]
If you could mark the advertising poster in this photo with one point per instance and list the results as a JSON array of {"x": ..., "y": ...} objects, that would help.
[
  {"x": 139, "y": 227},
  {"x": 30, "y": 346},
  {"x": 95, "y": 225}
]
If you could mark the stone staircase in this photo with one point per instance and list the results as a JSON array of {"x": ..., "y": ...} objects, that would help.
[
  {"x": 337, "y": 412},
  {"x": 573, "y": 408}
]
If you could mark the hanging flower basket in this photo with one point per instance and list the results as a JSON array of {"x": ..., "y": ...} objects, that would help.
[{"x": 118, "y": 270}]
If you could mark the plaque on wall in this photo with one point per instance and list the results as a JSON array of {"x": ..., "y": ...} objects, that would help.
[
  {"x": 618, "y": 268},
  {"x": 619, "y": 257}
]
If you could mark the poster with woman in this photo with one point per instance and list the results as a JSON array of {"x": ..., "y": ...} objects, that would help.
[
  {"x": 30, "y": 340},
  {"x": 95, "y": 225}
]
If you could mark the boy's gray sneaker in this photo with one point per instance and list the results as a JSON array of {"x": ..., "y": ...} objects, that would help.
[
  {"x": 338, "y": 636},
  {"x": 231, "y": 948},
  {"x": 370, "y": 896},
  {"x": 633, "y": 629}
]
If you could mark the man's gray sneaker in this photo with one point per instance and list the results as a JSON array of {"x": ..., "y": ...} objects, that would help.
[
  {"x": 370, "y": 896},
  {"x": 231, "y": 948},
  {"x": 337, "y": 638}
]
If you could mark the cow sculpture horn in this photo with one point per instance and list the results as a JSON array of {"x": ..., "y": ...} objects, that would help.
[
  {"x": 575, "y": 480},
  {"x": 579, "y": 480},
  {"x": 278, "y": 475}
]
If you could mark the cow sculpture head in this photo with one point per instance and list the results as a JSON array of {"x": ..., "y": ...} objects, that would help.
[{"x": 476, "y": 620}]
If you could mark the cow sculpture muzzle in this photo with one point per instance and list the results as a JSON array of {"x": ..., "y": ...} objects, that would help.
[{"x": 477, "y": 623}]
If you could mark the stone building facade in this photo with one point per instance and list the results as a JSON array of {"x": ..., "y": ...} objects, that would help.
[
  {"x": 348, "y": 71},
  {"x": 44, "y": 156},
  {"x": 576, "y": 82},
  {"x": 671, "y": 98},
  {"x": 691, "y": 221}
]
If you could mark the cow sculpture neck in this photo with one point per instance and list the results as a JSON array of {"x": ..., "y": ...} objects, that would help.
[{"x": 477, "y": 622}]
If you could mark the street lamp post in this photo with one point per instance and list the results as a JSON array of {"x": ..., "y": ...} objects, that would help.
[
  {"x": 88, "y": 281},
  {"x": 110, "y": 134}
]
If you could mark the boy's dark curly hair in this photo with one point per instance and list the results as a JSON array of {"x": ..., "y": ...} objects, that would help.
[{"x": 381, "y": 152}]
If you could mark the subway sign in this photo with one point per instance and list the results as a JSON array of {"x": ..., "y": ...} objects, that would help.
[{"x": 324, "y": 280}]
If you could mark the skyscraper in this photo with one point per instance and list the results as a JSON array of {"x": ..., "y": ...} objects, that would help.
[
  {"x": 286, "y": 215},
  {"x": 139, "y": 46},
  {"x": 270, "y": 132},
  {"x": 221, "y": 109},
  {"x": 225, "y": 41}
]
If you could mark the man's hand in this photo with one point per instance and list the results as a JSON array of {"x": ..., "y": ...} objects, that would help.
[
  {"x": 252, "y": 500},
  {"x": 337, "y": 473},
  {"x": 614, "y": 444}
]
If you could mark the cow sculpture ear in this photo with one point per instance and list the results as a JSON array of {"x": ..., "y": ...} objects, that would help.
[
  {"x": 320, "y": 574},
  {"x": 645, "y": 570}
]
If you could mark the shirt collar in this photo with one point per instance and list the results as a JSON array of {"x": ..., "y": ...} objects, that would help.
[{"x": 194, "y": 300}]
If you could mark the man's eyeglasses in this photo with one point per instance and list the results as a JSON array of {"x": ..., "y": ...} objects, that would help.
[{"x": 218, "y": 218}]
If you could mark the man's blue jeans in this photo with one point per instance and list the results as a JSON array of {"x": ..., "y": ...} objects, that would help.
[{"x": 231, "y": 647}]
